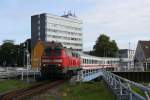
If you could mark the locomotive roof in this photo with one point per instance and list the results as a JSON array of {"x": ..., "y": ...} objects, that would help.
[{"x": 53, "y": 45}]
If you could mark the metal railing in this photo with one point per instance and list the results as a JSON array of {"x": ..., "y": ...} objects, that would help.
[
  {"x": 124, "y": 88},
  {"x": 9, "y": 72}
]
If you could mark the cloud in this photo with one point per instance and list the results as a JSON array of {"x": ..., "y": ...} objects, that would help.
[{"x": 121, "y": 20}]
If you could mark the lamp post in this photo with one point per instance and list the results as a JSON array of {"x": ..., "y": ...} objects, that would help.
[
  {"x": 26, "y": 58},
  {"x": 12, "y": 60},
  {"x": 24, "y": 54}
]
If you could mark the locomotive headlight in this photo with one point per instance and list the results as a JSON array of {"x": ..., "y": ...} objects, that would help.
[
  {"x": 59, "y": 65},
  {"x": 44, "y": 65}
]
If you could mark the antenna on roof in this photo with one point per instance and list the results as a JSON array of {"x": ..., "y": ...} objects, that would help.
[
  {"x": 74, "y": 14},
  {"x": 129, "y": 49},
  {"x": 129, "y": 45}
]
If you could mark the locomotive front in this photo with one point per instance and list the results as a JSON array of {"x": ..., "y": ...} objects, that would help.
[
  {"x": 52, "y": 61},
  {"x": 59, "y": 62}
]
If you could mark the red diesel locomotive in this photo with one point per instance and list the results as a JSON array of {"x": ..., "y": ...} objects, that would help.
[{"x": 58, "y": 61}]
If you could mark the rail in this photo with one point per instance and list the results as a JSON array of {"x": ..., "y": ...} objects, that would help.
[{"x": 26, "y": 92}]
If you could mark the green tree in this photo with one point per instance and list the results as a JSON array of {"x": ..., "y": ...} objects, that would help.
[
  {"x": 12, "y": 54},
  {"x": 7, "y": 53},
  {"x": 105, "y": 47}
]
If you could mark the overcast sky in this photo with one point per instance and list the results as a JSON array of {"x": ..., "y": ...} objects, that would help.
[{"x": 123, "y": 20}]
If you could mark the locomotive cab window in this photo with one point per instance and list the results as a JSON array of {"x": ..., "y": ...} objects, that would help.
[{"x": 50, "y": 52}]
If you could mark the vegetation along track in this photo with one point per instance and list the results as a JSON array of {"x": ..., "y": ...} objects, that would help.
[{"x": 26, "y": 92}]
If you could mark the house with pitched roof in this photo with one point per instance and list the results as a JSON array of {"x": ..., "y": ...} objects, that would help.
[{"x": 142, "y": 55}]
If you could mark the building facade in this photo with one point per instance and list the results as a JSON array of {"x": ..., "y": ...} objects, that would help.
[
  {"x": 126, "y": 53},
  {"x": 126, "y": 59},
  {"x": 66, "y": 29},
  {"x": 142, "y": 55}
]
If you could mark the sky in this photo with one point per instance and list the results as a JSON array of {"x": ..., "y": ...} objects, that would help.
[{"x": 125, "y": 21}]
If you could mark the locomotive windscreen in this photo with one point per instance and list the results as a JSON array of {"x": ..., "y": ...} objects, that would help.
[
  {"x": 52, "y": 52},
  {"x": 53, "y": 49}
]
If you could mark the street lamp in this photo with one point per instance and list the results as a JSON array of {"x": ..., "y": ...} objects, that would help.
[
  {"x": 24, "y": 54},
  {"x": 12, "y": 59}
]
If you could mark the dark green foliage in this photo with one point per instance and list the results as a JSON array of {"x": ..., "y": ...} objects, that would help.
[
  {"x": 105, "y": 47},
  {"x": 7, "y": 53},
  {"x": 13, "y": 55}
]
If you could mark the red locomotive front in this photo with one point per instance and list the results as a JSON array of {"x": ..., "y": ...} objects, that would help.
[{"x": 57, "y": 61}]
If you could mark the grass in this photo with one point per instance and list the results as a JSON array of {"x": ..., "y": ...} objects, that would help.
[
  {"x": 138, "y": 91},
  {"x": 86, "y": 91},
  {"x": 8, "y": 85}
]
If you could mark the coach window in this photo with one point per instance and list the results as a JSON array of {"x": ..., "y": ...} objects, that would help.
[
  {"x": 96, "y": 62},
  {"x": 100, "y": 62},
  {"x": 107, "y": 62},
  {"x": 90, "y": 61},
  {"x": 85, "y": 61}
]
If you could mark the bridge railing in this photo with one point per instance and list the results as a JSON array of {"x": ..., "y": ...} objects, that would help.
[{"x": 124, "y": 88}]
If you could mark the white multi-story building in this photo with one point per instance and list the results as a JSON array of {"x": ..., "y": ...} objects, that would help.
[{"x": 66, "y": 29}]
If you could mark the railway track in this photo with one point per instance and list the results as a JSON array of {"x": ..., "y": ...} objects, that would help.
[{"x": 24, "y": 93}]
